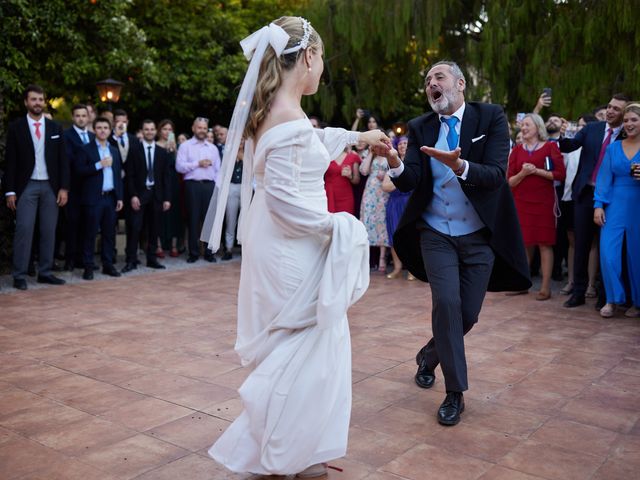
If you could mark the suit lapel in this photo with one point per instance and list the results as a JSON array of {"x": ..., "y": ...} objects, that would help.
[
  {"x": 26, "y": 132},
  {"x": 145, "y": 168},
  {"x": 155, "y": 162},
  {"x": 430, "y": 130},
  {"x": 48, "y": 130},
  {"x": 468, "y": 128}
]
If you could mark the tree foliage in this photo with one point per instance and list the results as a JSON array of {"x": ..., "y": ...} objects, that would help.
[
  {"x": 67, "y": 45},
  {"x": 584, "y": 49},
  {"x": 375, "y": 53}
]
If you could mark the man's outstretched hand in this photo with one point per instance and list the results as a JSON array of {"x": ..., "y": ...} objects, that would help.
[{"x": 450, "y": 158}]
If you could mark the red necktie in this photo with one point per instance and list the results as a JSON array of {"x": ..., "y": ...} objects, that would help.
[
  {"x": 605, "y": 144},
  {"x": 38, "y": 134}
]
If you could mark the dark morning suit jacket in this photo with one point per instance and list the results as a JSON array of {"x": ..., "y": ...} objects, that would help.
[
  {"x": 590, "y": 138},
  {"x": 136, "y": 177},
  {"x": 486, "y": 187},
  {"x": 73, "y": 144},
  {"x": 92, "y": 179},
  {"x": 20, "y": 157},
  {"x": 133, "y": 140}
]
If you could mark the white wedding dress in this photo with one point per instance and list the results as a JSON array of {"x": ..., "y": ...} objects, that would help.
[{"x": 302, "y": 267}]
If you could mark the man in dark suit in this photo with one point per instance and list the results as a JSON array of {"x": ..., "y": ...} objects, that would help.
[
  {"x": 101, "y": 197},
  {"x": 150, "y": 189},
  {"x": 36, "y": 181},
  {"x": 124, "y": 142},
  {"x": 460, "y": 229},
  {"x": 594, "y": 139},
  {"x": 75, "y": 138}
]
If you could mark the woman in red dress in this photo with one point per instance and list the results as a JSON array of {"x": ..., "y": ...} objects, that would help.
[
  {"x": 342, "y": 172},
  {"x": 534, "y": 165}
]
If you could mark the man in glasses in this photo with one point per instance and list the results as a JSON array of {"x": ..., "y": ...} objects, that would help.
[{"x": 199, "y": 160}]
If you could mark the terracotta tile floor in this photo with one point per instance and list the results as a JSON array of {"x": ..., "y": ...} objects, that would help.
[{"x": 136, "y": 377}]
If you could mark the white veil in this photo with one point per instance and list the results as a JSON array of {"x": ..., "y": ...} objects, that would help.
[{"x": 253, "y": 47}]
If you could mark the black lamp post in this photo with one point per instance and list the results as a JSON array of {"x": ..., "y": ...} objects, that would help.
[{"x": 109, "y": 91}]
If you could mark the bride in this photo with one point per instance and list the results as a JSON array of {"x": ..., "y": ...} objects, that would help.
[{"x": 302, "y": 267}]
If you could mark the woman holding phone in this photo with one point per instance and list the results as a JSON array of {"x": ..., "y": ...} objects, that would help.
[{"x": 533, "y": 167}]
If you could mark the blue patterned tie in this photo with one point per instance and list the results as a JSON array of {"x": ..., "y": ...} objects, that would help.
[
  {"x": 85, "y": 139},
  {"x": 452, "y": 136}
]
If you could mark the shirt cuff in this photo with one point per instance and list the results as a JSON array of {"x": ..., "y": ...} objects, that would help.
[
  {"x": 463, "y": 176},
  {"x": 397, "y": 171},
  {"x": 352, "y": 137},
  {"x": 98, "y": 165},
  {"x": 598, "y": 204},
  {"x": 8, "y": 194}
]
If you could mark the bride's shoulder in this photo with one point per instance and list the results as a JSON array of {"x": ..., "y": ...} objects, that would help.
[
  {"x": 279, "y": 115},
  {"x": 294, "y": 120}
]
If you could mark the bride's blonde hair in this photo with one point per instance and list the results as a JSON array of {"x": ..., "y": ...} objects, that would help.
[{"x": 272, "y": 67}]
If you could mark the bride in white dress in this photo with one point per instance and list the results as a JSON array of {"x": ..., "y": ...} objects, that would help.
[{"x": 302, "y": 267}]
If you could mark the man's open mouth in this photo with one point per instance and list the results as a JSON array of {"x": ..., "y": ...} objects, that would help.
[{"x": 436, "y": 95}]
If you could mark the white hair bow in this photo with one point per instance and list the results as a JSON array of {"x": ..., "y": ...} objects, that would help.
[
  {"x": 273, "y": 34},
  {"x": 253, "y": 47}
]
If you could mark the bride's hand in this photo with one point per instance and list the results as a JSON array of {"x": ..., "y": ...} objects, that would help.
[{"x": 375, "y": 139}]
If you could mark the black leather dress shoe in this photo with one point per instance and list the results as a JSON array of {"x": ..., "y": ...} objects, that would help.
[
  {"x": 128, "y": 267},
  {"x": 51, "y": 280},
  {"x": 450, "y": 410},
  {"x": 574, "y": 301},
  {"x": 156, "y": 265},
  {"x": 227, "y": 256},
  {"x": 20, "y": 283},
  {"x": 69, "y": 266},
  {"x": 192, "y": 259},
  {"x": 425, "y": 378},
  {"x": 110, "y": 270},
  {"x": 88, "y": 274},
  {"x": 210, "y": 258}
]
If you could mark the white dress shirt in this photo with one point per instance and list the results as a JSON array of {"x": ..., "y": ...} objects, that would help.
[{"x": 40, "y": 168}]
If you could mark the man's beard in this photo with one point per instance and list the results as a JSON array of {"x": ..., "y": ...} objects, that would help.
[
  {"x": 444, "y": 103},
  {"x": 553, "y": 129},
  {"x": 37, "y": 110}
]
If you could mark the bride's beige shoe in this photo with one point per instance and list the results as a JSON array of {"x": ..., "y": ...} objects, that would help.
[{"x": 314, "y": 471}]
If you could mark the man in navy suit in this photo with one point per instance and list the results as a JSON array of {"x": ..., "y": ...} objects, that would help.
[
  {"x": 101, "y": 197},
  {"x": 459, "y": 229},
  {"x": 149, "y": 186},
  {"x": 75, "y": 138},
  {"x": 594, "y": 139},
  {"x": 36, "y": 182}
]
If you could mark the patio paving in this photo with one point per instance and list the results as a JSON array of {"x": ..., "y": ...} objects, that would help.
[{"x": 136, "y": 377}]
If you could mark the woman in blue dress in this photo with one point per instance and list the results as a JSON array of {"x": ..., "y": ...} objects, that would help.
[{"x": 616, "y": 202}]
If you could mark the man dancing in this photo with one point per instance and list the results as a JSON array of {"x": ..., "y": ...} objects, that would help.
[{"x": 459, "y": 230}]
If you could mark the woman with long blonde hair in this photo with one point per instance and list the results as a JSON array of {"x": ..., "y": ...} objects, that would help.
[{"x": 302, "y": 266}]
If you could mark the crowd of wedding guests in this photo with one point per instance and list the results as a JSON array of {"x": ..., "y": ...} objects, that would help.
[
  {"x": 68, "y": 186},
  {"x": 576, "y": 187}
]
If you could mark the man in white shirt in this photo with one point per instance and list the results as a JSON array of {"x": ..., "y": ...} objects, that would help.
[{"x": 36, "y": 182}]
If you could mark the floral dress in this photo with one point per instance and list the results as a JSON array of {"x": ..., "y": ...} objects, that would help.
[{"x": 373, "y": 210}]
